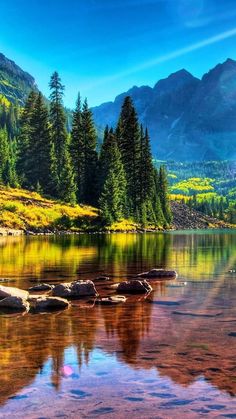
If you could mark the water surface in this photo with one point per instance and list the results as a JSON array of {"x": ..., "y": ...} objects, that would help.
[{"x": 170, "y": 354}]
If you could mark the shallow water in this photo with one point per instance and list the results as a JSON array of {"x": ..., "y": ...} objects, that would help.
[{"x": 171, "y": 354}]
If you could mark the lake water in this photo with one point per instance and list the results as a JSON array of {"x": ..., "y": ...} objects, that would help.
[{"x": 171, "y": 354}]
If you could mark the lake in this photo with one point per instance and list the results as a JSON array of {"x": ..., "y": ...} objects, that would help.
[{"x": 169, "y": 354}]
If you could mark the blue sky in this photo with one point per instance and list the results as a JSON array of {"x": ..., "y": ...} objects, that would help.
[{"x": 103, "y": 47}]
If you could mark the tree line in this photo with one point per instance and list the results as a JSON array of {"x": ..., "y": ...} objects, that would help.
[{"x": 119, "y": 178}]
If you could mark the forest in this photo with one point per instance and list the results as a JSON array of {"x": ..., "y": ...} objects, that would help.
[{"x": 40, "y": 153}]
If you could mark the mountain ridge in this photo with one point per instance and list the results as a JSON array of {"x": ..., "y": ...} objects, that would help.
[
  {"x": 15, "y": 83},
  {"x": 188, "y": 118}
]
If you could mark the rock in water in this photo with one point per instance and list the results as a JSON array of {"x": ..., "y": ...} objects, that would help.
[
  {"x": 134, "y": 287},
  {"x": 50, "y": 303},
  {"x": 75, "y": 289},
  {"x": 118, "y": 299},
  {"x": 158, "y": 273},
  {"x": 13, "y": 292},
  {"x": 41, "y": 287},
  {"x": 15, "y": 304}
]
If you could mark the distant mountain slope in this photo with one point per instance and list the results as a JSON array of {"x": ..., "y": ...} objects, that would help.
[
  {"x": 15, "y": 84},
  {"x": 188, "y": 119}
]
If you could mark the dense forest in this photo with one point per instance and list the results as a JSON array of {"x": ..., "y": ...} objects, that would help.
[{"x": 39, "y": 152}]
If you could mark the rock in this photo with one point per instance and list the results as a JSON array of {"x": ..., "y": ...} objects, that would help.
[
  {"x": 50, "y": 303},
  {"x": 15, "y": 303},
  {"x": 233, "y": 334},
  {"x": 118, "y": 299},
  {"x": 198, "y": 313},
  {"x": 102, "y": 278},
  {"x": 134, "y": 287},
  {"x": 165, "y": 302},
  {"x": 13, "y": 292},
  {"x": 176, "y": 284},
  {"x": 41, "y": 287},
  {"x": 75, "y": 289},
  {"x": 158, "y": 273},
  {"x": 4, "y": 280}
]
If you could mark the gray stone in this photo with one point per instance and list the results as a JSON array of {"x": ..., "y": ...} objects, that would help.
[
  {"x": 41, "y": 287},
  {"x": 75, "y": 289},
  {"x": 118, "y": 299},
  {"x": 159, "y": 274},
  {"x": 15, "y": 304},
  {"x": 134, "y": 287},
  {"x": 50, "y": 303},
  {"x": 13, "y": 292}
]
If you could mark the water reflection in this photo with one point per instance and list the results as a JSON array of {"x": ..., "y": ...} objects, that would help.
[{"x": 144, "y": 337}]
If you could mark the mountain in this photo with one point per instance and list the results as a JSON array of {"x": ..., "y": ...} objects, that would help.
[
  {"x": 15, "y": 84},
  {"x": 188, "y": 118}
]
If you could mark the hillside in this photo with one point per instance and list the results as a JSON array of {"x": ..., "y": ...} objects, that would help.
[
  {"x": 188, "y": 119},
  {"x": 185, "y": 218},
  {"x": 15, "y": 84},
  {"x": 29, "y": 212}
]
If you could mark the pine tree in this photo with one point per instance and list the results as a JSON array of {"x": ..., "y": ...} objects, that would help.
[
  {"x": 4, "y": 152},
  {"x": 64, "y": 173},
  {"x": 163, "y": 195},
  {"x": 113, "y": 196},
  {"x": 88, "y": 188},
  {"x": 23, "y": 142},
  {"x": 40, "y": 147},
  {"x": 77, "y": 149},
  {"x": 128, "y": 137},
  {"x": 146, "y": 167}
]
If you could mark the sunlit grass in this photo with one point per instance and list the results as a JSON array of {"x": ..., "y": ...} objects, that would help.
[{"x": 21, "y": 209}]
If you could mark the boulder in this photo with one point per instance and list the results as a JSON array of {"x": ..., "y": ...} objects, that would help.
[
  {"x": 134, "y": 287},
  {"x": 50, "y": 303},
  {"x": 158, "y": 274},
  {"x": 41, "y": 287},
  {"x": 118, "y": 299},
  {"x": 13, "y": 292},
  {"x": 15, "y": 304},
  {"x": 102, "y": 278},
  {"x": 75, "y": 289}
]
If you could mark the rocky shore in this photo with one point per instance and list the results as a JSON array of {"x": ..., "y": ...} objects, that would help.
[{"x": 59, "y": 296}]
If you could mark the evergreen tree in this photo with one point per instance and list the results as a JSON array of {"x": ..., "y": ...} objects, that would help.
[
  {"x": 23, "y": 146},
  {"x": 146, "y": 167},
  {"x": 64, "y": 174},
  {"x": 40, "y": 147},
  {"x": 88, "y": 188},
  {"x": 77, "y": 149},
  {"x": 163, "y": 195},
  {"x": 113, "y": 196},
  {"x": 128, "y": 137},
  {"x": 4, "y": 152}
]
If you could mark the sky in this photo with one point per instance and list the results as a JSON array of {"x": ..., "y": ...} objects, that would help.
[{"x": 104, "y": 47}]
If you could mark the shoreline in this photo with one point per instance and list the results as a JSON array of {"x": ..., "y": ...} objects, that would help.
[{"x": 6, "y": 232}]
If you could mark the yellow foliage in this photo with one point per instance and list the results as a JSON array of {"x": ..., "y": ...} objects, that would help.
[{"x": 22, "y": 209}]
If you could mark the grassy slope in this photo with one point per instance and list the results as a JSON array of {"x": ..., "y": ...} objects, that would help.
[{"x": 21, "y": 209}]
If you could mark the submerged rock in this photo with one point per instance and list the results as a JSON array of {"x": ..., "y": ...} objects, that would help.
[
  {"x": 118, "y": 299},
  {"x": 15, "y": 304},
  {"x": 102, "y": 278},
  {"x": 134, "y": 287},
  {"x": 41, "y": 287},
  {"x": 75, "y": 289},
  {"x": 50, "y": 303},
  {"x": 13, "y": 292},
  {"x": 232, "y": 334},
  {"x": 199, "y": 313},
  {"x": 158, "y": 273}
]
